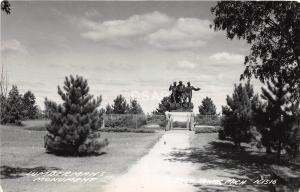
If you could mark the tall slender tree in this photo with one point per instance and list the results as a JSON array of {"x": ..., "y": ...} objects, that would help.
[
  {"x": 237, "y": 114},
  {"x": 29, "y": 106},
  {"x": 278, "y": 114}
]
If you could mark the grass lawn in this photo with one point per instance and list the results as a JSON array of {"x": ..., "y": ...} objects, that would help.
[
  {"x": 219, "y": 160},
  {"x": 22, "y": 151}
]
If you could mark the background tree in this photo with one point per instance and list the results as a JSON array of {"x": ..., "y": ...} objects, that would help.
[
  {"x": 120, "y": 105},
  {"x": 237, "y": 114},
  {"x": 207, "y": 107},
  {"x": 5, "y": 6},
  {"x": 3, "y": 106},
  {"x": 278, "y": 115},
  {"x": 135, "y": 107},
  {"x": 48, "y": 108},
  {"x": 12, "y": 111},
  {"x": 163, "y": 106},
  {"x": 74, "y": 124},
  {"x": 272, "y": 28},
  {"x": 29, "y": 106},
  {"x": 109, "y": 109}
]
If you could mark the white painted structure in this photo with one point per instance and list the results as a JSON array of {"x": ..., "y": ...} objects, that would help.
[{"x": 187, "y": 117}]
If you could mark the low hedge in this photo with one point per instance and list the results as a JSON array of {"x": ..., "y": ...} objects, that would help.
[
  {"x": 208, "y": 120},
  {"x": 207, "y": 129},
  {"x": 160, "y": 120},
  {"x": 125, "y": 121},
  {"x": 125, "y": 129}
]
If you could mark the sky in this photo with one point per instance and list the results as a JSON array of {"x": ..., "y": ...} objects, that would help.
[{"x": 136, "y": 49}]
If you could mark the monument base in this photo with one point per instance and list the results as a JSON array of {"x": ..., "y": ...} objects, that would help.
[
  {"x": 187, "y": 117},
  {"x": 184, "y": 107}
]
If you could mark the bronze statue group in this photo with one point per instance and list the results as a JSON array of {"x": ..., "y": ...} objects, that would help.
[{"x": 181, "y": 95}]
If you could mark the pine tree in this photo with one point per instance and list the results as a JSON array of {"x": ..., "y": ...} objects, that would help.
[
  {"x": 12, "y": 110},
  {"x": 29, "y": 106},
  {"x": 237, "y": 115},
  {"x": 163, "y": 106},
  {"x": 3, "y": 105},
  {"x": 207, "y": 107},
  {"x": 135, "y": 107},
  {"x": 120, "y": 105},
  {"x": 278, "y": 114},
  {"x": 74, "y": 124},
  {"x": 109, "y": 109}
]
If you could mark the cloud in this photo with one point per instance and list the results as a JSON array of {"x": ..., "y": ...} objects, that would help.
[
  {"x": 155, "y": 29},
  {"x": 112, "y": 66},
  {"x": 12, "y": 45},
  {"x": 92, "y": 13},
  {"x": 217, "y": 69},
  {"x": 226, "y": 58},
  {"x": 182, "y": 65},
  {"x": 185, "y": 33},
  {"x": 135, "y": 25}
]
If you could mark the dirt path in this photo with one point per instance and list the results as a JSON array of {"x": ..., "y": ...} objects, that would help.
[{"x": 155, "y": 171}]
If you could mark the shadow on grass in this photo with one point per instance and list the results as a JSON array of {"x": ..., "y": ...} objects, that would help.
[
  {"x": 223, "y": 156},
  {"x": 8, "y": 172},
  {"x": 95, "y": 154}
]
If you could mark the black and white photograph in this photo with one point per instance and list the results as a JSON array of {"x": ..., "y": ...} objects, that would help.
[{"x": 150, "y": 96}]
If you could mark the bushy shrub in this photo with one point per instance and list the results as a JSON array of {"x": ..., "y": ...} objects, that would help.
[
  {"x": 74, "y": 123},
  {"x": 221, "y": 134},
  {"x": 92, "y": 144}
]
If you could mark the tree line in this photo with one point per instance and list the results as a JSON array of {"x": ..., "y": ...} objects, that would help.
[
  {"x": 16, "y": 107},
  {"x": 121, "y": 106}
]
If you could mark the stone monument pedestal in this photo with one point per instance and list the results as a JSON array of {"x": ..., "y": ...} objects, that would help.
[{"x": 187, "y": 117}]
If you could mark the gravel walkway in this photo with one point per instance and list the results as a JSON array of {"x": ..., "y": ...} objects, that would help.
[{"x": 155, "y": 172}]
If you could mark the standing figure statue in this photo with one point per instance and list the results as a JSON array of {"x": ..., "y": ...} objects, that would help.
[
  {"x": 188, "y": 92},
  {"x": 180, "y": 90},
  {"x": 173, "y": 88}
]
